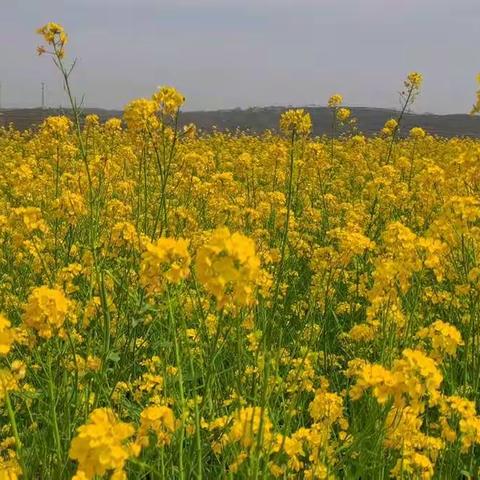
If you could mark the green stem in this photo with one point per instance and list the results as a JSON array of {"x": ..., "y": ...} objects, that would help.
[
  {"x": 13, "y": 423},
  {"x": 53, "y": 413},
  {"x": 180, "y": 385}
]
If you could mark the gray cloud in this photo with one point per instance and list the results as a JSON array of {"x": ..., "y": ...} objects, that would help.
[{"x": 228, "y": 53}]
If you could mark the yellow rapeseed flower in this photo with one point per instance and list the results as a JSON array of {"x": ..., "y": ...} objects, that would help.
[
  {"x": 169, "y": 100},
  {"x": 46, "y": 311},
  {"x": 55, "y": 36},
  {"x": 158, "y": 419},
  {"x": 7, "y": 336},
  {"x": 228, "y": 268},
  {"x": 101, "y": 446},
  {"x": 165, "y": 261},
  {"x": 335, "y": 100},
  {"x": 296, "y": 121}
]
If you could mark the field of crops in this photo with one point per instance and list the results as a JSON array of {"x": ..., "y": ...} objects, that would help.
[{"x": 186, "y": 306}]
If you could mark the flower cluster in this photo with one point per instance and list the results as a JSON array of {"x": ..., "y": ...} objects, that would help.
[
  {"x": 165, "y": 261},
  {"x": 101, "y": 446},
  {"x": 7, "y": 335},
  {"x": 444, "y": 338},
  {"x": 476, "y": 107},
  {"x": 169, "y": 100},
  {"x": 46, "y": 311},
  {"x": 228, "y": 268},
  {"x": 296, "y": 121},
  {"x": 55, "y": 36},
  {"x": 157, "y": 419}
]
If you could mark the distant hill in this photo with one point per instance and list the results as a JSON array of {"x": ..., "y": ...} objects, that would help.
[{"x": 370, "y": 120}]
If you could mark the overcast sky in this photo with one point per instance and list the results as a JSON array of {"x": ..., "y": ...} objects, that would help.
[{"x": 242, "y": 53}]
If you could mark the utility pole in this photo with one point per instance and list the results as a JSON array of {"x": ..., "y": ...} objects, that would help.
[
  {"x": 43, "y": 95},
  {"x": 1, "y": 96}
]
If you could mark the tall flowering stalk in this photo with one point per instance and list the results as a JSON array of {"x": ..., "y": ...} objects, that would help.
[{"x": 412, "y": 86}]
